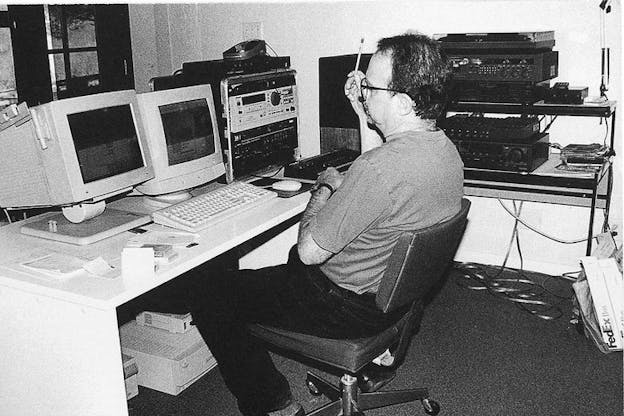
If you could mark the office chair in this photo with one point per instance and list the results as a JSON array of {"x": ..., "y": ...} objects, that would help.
[{"x": 418, "y": 262}]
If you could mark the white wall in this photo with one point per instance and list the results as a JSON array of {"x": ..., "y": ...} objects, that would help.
[{"x": 166, "y": 35}]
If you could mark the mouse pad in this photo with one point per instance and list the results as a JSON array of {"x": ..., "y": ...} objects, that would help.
[{"x": 267, "y": 182}]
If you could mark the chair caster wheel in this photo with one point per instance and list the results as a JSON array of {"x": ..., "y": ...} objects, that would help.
[
  {"x": 314, "y": 391},
  {"x": 431, "y": 407}
]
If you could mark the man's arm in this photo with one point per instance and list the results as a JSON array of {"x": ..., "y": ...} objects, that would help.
[
  {"x": 327, "y": 183},
  {"x": 369, "y": 138},
  {"x": 309, "y": 251}
]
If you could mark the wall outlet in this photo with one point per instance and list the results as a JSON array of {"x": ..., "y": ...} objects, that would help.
[{"x": 253, "y": 30}]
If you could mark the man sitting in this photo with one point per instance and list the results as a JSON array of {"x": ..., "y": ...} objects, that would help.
[{"x": 409, "y": 176}]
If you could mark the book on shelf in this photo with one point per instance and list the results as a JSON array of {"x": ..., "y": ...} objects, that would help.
[{"x": 603, "y": 307}]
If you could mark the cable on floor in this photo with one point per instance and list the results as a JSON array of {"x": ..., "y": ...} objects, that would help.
[{"x": 532, "y": 297}]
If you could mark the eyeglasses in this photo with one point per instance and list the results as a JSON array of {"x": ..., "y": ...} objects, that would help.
[{"x": 365, "y": 90}]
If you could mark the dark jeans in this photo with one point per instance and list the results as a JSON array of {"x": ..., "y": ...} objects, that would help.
[{"x": 291, "y": 296}]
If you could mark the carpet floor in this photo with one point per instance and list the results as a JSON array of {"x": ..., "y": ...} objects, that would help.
[{"x": 477, "y": 352}]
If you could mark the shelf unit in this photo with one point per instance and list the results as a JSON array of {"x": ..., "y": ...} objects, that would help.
[{"x": 545, "y": 184}]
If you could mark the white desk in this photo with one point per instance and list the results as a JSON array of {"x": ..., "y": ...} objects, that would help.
[{"x": 59, "y": 341}]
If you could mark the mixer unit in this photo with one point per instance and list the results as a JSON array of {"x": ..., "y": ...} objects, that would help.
[
  {"x": 521, "y": 155},
  {"x": 466, "y": 127},
  {"x": 261, "y": 121},
  {"x": 483, "y": 66}
]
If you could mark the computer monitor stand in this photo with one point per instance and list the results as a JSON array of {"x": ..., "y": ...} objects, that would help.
[
  {"x": 163, "y": 201},
  {"x": 107, "y": 224}
]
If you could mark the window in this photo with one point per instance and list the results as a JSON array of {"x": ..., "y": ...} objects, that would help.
[
  {"x": 72, "y": 48},
  {"x": 69, "y": 50},
  {"x": 8, "y": 91}
]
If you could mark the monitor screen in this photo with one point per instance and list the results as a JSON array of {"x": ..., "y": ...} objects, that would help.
[
  {"x": 183, "y": 140},
  {"x": 106, "y": 142},
  {"x": 188, "y": 130}
]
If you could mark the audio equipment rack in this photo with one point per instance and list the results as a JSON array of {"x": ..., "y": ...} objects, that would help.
[{"x": 546, "y": 184}]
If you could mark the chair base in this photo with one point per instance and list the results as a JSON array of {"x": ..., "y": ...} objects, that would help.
[{"x": 346, "y": 400}]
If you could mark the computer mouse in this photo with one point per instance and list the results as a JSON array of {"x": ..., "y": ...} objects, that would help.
[{"x": 286, "y": 185}]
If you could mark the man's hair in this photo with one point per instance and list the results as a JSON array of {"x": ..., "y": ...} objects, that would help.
[{"x": 420, "y": 69}]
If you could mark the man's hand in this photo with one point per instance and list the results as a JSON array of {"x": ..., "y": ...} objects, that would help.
[
  {"x": 352, "y": 92},
  {"x": 330, "y": 176},
  {"x": 369, "y": 138}
]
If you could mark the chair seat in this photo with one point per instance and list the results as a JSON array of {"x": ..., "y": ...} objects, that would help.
[{"x": 347, "y": 354}]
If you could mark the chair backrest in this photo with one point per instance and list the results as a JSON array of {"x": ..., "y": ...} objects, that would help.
[{"x": 420, "y": 259}]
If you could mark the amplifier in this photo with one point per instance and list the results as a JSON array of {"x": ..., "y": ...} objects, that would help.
[
  {"x": 484, "y": 66},
  {"x": 465, "y": 127},
  {"x": 560, "y": 93},
  {"x": 497, "y": 92},
  {"x": 508, "y": 40},
  {"x": 261, "y": 122},
  {"x": 523, "y": 155},
  {"x": 202, "y": 71},
  {"x": 212, "y": 72}
]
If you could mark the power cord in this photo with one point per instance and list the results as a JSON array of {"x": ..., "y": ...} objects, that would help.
[
  {"x": 530, "y": 296},
  {"x": 535, "y": 229},
  {"x": 270, "y": 175},
  {"x": 552, "y": 120},
  {"x": 6, "y": 214},
  {"x": 270, "y": 47},
  {"x": 606, "y": 136}
]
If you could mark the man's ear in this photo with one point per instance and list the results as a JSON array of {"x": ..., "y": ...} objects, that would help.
[{"x": 405, "y": 103}]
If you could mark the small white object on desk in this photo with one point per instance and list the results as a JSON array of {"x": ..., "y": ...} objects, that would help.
[
  {"x": 99, "y": 267},
  {"x": 172, "y": 238},
  {"x": 137, "y": 263}
]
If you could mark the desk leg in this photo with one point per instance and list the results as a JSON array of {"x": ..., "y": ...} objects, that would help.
[
  {"x": 605, "y": 224},
  {"x": 592, "y": 213},
  {"x": 58, "y": 358}
]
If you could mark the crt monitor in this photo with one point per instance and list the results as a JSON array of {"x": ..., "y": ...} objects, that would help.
[
  {"x": 74, "y": 154},
  {"x": 183, "y": 139}
]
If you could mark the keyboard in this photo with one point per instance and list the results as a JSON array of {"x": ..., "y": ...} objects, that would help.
[
  {"x": 311, "y": 167},
  {"x": 205, "y": 210}
]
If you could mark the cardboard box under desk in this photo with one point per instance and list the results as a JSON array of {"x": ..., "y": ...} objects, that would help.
[
  {"x": 167, "y": 362},
  {"x": 130, "y": 370}
]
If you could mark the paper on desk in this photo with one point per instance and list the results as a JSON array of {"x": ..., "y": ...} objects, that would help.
[
  {"x": 172, "y": 238},
  {"x": 99, "y": 267},
  {"x": 61, "y": 266},
  {"x": 57, "y": 265}
]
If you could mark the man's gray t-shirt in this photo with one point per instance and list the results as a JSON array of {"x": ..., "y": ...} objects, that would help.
[{"x": 412, "y": 181}]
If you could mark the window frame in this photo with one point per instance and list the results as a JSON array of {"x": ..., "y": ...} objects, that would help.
[{"x": 30, "y": 52}]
